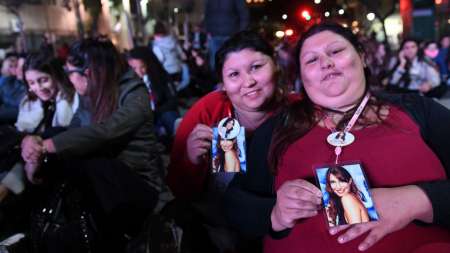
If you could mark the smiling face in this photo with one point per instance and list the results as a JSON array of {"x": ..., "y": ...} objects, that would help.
[
  {"x": 229, "y": 125},
  {"x": 227, "y": 145},
  {"x": 339, "y": 187},
  {"x": 41, "y": 84},
  {"x": 248, "y": 79},
  {"x": 332, "y": 71}
]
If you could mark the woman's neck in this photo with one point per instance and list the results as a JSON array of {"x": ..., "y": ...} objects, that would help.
[{"x": 250, "y": 120}]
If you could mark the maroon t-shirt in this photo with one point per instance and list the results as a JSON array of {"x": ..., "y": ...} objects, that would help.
[{"x": 392, "y": 154}]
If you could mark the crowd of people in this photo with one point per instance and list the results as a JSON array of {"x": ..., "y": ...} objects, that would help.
[{"x": 89, "y": 133}]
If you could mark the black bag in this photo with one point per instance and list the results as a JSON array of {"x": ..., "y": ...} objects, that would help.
[
  {"x": 61, "y": 222},
  {"x": 10, "y": 140},
  {"x": 159, "y": 235}
]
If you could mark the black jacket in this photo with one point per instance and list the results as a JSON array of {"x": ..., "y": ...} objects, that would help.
[
  {"x": 250, "y": 197},
  {"x": 225, "y": 17}
]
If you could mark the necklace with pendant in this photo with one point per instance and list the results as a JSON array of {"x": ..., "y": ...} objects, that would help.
[{"x": 343, "y": 138}]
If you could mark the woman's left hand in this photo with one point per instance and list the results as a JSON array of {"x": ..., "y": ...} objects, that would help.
[
  {"x": 425, "y": 87},
  {"x": 396, "y": 208},
  {"x": 32, "y": 149}
]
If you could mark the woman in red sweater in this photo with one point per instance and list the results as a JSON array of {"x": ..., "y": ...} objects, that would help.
[
  {"x": 337, "y": 99},
  {"x": 250, "y": 94}
]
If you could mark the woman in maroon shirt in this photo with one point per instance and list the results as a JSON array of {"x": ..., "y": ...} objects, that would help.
[{"x": 332, "y": 68}]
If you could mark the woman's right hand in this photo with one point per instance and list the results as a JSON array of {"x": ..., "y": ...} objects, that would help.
[
  {"x": 199, "y": 143},
  {"x": 31, "y": 148},
  {"x": 296, "y": 199},
  {"x": 402, "y": 59}
]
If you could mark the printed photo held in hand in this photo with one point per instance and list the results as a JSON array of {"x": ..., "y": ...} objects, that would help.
[
  {"x": 346, "y": 195},
  {"x": 228, "y": 147}
]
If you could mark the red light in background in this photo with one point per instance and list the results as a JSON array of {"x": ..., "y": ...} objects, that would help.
[
  {"x": 306, "y": 15},
  {"x": 289, "y": 32}
]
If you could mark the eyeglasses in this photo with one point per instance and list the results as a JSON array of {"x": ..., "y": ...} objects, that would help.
[{"x": 74, "y": 70}]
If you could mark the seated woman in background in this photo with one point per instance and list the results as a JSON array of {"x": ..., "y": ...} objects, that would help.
[
  {"x": 413, "y": 72},
  {"x": 108, "y": 152},
  {"x": 162, "y": 99},
  {"x": 410, "y": 186},
  {"x": 50, "y": 101}
]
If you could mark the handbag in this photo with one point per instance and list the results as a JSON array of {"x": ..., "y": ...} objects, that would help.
[{"x": 61, "y": 221}]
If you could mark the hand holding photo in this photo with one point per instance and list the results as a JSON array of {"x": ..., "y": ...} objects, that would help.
[
  {"x": 228, "y": 147},
  {"x": 346, "y": 195}
]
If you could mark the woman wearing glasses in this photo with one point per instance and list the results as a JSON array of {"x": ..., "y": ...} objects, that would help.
[{"x": 110, "y": 146}]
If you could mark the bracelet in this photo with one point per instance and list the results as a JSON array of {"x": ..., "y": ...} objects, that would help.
[{"x": 45, "y": 153}]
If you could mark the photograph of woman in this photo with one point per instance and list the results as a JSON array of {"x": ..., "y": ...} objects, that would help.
[
  {"x": 345, "y": 203},
  {"x": 227, "y": 156},
  {"x": 228, "y": 128}
]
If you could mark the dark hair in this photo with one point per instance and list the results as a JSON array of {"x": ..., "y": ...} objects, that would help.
[
  {"x": 219, "y": 159},
  {"x": 420, "y": 52},
  {"x": 242, "y": 40},
  {"x": 299, "y": 117},
  {"x": 106, "y": 67},
  {"x": 342, "y": 175},
  {"x": 11, "y": 54},
  {"x": 48, "y": 64},
  {"x": 155, "y": 70},
  {"x": 160, "y": 28},
  {"x": 225, "y": 124}
]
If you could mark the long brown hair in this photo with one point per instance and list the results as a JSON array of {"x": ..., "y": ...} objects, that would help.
[
  {"x": 335, "y": 207},
  {"x": 301, "y": 116},
  {"x": 48, "y": 64},
  {"x": 106, "y": 67}
]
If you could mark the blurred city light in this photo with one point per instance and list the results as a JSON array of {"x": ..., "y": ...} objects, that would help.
[
  {"x": 437, "y": 2},
  {"x": 306, "y": 15},
  {"x": 175, "y": 10},
  {"x": 284, "y": 17},
  {"x": 370, "y": 16},
  {"x": 317, "y": 1},
  {"x": 327, "y": 14},
  {"x": 289, "y": 32},
  {"x": 279, "y": 34},
  {"x": 341, "y": 12}
]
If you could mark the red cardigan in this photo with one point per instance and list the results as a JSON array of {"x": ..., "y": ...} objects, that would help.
[{"x": 184, "y": 178}]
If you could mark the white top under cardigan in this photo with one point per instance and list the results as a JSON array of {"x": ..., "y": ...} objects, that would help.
[{"x": 30, "y": 115}]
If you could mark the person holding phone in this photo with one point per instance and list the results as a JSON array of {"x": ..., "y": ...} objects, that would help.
[{"x": 413, "y": 73}]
